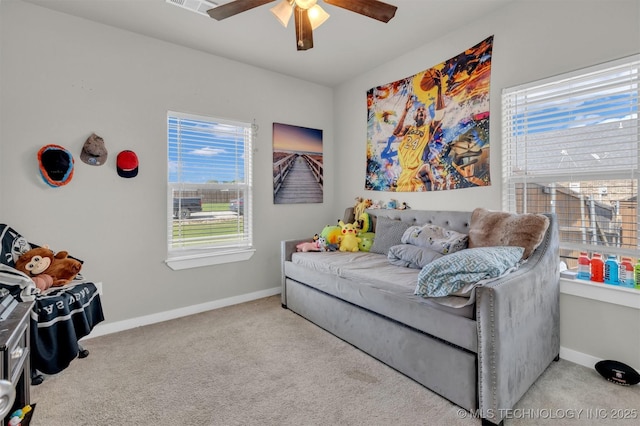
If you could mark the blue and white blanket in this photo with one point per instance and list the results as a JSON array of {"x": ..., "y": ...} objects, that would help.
[{"x": 61, "y": 315}]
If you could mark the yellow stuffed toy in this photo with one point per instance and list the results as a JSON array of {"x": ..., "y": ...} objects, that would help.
[
  {"x": 349, "y": 239},
  {"x": 361, "y": 205},
  {"x": 364, "y": 222}
]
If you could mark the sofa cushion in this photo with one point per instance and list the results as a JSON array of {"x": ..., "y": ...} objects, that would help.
[
  {"x": 388, "y": 234},
  {"x": 436, "y": 238},
  {"x": 451, "y": 273},
  {"x": 497, "y": 228},
  {"x": 370, "y": 281},
  {"x": 411, "y": 256}
]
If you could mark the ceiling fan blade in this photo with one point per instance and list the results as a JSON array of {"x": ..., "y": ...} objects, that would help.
[
  {"x": 372, "y": 8},
  {"x": 304, "y": 33},
  {"x": 233, "y": 8}
]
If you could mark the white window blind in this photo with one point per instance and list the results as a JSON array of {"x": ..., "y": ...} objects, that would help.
[
  {"x": 570, "y": 146},
  {"x": 209, "y": 184}
]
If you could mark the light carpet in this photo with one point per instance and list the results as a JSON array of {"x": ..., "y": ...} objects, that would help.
[{"x": 258, "y": 364}]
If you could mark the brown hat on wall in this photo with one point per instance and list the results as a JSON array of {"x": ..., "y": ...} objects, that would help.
[{"x": 94, "y": 152}]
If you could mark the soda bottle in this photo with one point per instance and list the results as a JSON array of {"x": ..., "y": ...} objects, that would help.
[
  {"x": 611, "y": 269},
  {"x": 626, "y": 273},
  {"x": 597, "y": 268},
  {"x": 637, "y": 274},
  {"x": 584, "y": 266}
]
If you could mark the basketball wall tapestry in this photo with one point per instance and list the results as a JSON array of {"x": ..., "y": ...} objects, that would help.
[{"x": 430, "y": 131}]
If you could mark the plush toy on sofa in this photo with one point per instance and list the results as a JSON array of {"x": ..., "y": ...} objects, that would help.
[
  {"x": 361, "y": 205},
  {"x": 349, "y": 239},
  {"x": 331, "y": 234},
  {"x": 365, "y": 223},
  {"x": 46, "y": 269},
  {"x": 308, "y": 246}
]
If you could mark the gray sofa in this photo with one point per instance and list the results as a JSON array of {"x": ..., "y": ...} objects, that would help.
[{"x": 482, "y": 356}]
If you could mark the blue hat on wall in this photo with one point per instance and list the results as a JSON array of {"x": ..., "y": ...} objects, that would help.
[{"x": 56, "y": 165}]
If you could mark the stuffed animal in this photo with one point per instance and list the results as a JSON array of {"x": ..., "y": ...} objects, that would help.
[
  {"x": 325, "y": 246},
  {"x": 361, "y": 205},
  {"x": 43, "y": 281},
  {"x": 308, "y": 246},
  {"x": 331, "y": 234},
  {"x": 366, "y": 240},
  {"x": 349, "y": 239},
  {"x": 364, "y": 222},
  {"x": 41, "y": 260}
]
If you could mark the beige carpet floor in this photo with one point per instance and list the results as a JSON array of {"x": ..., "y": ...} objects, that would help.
[{"x": 259, "y": 364}]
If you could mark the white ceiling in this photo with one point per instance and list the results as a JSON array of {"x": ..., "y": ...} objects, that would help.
[{"x": 346, "y": 45}]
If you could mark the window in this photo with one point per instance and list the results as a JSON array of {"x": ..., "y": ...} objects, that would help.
[
  {"x": 209, "y": 190},
  {"x": 570, "y": 146}
]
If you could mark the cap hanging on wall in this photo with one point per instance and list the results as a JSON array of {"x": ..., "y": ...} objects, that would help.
[
  {"x": 127, "y": 164},
  {"x": 94, "y": 152},
  {"x": 56, "y": 165}
]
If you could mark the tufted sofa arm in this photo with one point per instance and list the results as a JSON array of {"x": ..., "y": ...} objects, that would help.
[{"x": 518, "y": 322}]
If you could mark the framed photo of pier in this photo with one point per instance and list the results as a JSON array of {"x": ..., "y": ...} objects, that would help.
[{"x": 298, "y": 170}]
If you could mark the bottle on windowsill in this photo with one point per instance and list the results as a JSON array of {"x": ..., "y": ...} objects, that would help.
[
  {"x": 611, "y": 269},
  {"x": 637, "y": 274},
  {"x": 584, "y": 266},
  {"x": 626, "y": 273},
  {"x": 597, "y": 268}
]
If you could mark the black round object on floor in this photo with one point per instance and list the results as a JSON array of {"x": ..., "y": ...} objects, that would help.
[{"x": 617, "y": 372}]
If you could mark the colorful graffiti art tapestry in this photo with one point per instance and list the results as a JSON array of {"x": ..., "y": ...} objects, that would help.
[{"x": 430, "y": 131}]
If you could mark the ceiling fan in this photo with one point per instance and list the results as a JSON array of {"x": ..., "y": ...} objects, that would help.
[{"x": 308, "y": 14}]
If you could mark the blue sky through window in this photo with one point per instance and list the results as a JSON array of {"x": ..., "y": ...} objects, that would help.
[
  {"x": 549, "y": 118},
  {"x": 205, "y": 152}
]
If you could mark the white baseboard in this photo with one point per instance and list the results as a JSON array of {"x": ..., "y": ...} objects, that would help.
[
  {"x": 103, "y": 329},
  {"x": 583, "y": 359},
  {"x": 579, "y": 358}
]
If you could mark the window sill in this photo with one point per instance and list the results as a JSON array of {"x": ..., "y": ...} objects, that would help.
[
  {"x": 207, "y": 259},
  {"x": 608, "y": 293}
]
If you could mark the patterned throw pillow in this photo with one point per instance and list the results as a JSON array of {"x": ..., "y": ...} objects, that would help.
[
  {"x": 388, "y": 234},
  {"x": 436, "y": 238},
  {"x": 450, "y": 273}
]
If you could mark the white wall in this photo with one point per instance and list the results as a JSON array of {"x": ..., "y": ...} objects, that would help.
[
  {"x": 533, "y": 39},
  {"x": 64, "y": 78}
]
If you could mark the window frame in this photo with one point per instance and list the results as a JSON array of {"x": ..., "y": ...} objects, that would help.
[
  {"x": 512, "y": 135},
  {"x": 211, "y": 252}
]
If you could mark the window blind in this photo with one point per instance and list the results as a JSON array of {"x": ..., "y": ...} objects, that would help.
[
  {"x": 570, "y": 146},
  {"x": 209, "y": 162}
]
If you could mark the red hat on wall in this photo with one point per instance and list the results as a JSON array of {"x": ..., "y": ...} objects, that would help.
[{"x": 127, "y": 164}]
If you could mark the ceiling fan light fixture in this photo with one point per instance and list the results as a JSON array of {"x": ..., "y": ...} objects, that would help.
[
  {"x": 317, "y": 16},
  {"x": 305, "y": 4},
  {"x": 283, "y": 11}
]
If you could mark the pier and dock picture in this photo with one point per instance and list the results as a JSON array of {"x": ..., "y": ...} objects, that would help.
[{"x": 297, "y": 165}]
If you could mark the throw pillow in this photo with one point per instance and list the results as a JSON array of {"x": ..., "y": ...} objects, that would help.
[
  {"x": 388, "y": 234},
  {"x": 12, "y": 244},
  {"x": 450, "y": 273},
  {"x": 494, "y": 228},
  {"x": 437, "y": 238},
  {"x": 411, "y": 256}
]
